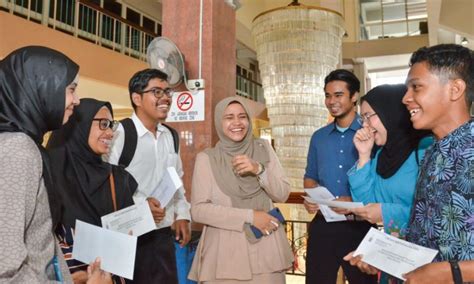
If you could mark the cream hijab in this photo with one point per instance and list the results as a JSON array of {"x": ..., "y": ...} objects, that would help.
[{"x": 245, "y": 192}]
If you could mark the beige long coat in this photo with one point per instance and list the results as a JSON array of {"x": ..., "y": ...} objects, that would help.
[{"x": 224, "y": 252}]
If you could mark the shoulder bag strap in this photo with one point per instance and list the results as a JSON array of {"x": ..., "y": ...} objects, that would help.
[{"x": 112, "y": 190}]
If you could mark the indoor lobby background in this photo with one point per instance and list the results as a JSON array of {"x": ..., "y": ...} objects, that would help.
[{"x": 108, "y": 39}]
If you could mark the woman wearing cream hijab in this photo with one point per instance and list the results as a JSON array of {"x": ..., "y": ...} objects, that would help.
[{"x": 234, "y": 186}]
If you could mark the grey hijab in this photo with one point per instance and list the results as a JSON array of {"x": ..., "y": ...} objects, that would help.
[{"x": 244, "y": 191}]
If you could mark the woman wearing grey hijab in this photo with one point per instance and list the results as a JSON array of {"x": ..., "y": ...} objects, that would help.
[{"x": 234, "y": 186}]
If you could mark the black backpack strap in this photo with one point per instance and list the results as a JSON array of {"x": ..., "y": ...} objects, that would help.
[
  {"x": 175, "y": 137},
  {"x": 130, "y": 142}
]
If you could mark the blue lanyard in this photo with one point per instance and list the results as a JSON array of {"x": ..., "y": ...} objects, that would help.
[{"x": 57, "y": 270}]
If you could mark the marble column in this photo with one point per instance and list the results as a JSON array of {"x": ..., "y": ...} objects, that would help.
[{"x": 181, "y": 21}]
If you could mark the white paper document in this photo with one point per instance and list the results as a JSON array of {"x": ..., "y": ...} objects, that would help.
[
  {"x": 329, "y": 215},
  {"x": 166, "y": 189},
  {"x": 321, "y": 195},
  {"x": 392, "y": 255},
  {"x": 136, "y": 219},
  {"x": 116, "y": 250}
]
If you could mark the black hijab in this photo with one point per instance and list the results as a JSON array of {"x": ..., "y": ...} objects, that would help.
[
  {"x": 402, "y": 138},
  {"x": 33, "y": 83},
  {"x": 80, "y": 176}
]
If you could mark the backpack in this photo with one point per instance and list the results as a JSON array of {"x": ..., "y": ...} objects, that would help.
[{"x": 131, "y": 138}]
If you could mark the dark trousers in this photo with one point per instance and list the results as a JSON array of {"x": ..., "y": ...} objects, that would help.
[
  {"x": 155, "y": 260},
  {"x": 328, "y": 243}
]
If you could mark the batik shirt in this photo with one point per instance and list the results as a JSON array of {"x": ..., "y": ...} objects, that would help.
[{"x": 442, "y": 217}]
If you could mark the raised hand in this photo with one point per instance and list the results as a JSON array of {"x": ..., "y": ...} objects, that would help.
[
  {"x": 243, "y": 165},
  {"x": 364, "y": 142}
]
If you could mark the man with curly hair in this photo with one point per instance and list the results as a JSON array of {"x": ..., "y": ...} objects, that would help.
[{"x": 440, "y": 94}]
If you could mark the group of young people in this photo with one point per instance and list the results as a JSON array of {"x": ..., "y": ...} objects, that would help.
[
  {"x": 409, "y": 158},
  {"x": 386, "y": 158},
  {"x": 86, "y": 171}
]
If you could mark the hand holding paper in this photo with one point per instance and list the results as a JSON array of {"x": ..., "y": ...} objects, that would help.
[
  {"x": 363, "y": 266},
  {"x": 157, "y": 211},
  {"x": 392, "y": 255},
  {"x": 436, "y": 272},
  {"x": 329, "y": 215},
  {"x": 116, "y": 250},
  {"x": 166, "y": 189},
  {"x": 96, "y": 275},
  {"x": 371, "y": 212},
  {"x": 322, "y": 196},
  {"x": 136, "y": 219}
]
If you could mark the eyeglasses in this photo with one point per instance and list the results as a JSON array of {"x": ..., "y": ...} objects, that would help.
[
  {"x": 104, "y": 123},
  {"x": 367, "y": 116},
  {"x": 159, "y": 92}
]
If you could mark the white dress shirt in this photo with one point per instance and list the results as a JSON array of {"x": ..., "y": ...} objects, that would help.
[{"x": 152, "y": 157}]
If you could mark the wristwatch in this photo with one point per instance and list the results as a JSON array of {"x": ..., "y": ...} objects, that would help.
[{"x": 456, "y": 271}]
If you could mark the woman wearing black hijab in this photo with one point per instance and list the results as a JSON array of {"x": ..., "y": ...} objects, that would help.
[
  {"x": 89, "y": 187},
  {"x": 37, "y": 94},
  {"x": 386, "y": 183}
]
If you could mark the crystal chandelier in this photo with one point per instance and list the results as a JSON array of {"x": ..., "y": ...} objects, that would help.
[{"x": 297, "y": 46}]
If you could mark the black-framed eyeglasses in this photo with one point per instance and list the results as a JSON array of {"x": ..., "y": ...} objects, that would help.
[
  {"x": 367, "y": 116},
  {"x": 104, "y": 123},
  {"x": 159, "y": 92}
]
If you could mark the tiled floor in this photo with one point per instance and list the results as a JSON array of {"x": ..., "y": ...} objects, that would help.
[{"x": 292, "y": 279}]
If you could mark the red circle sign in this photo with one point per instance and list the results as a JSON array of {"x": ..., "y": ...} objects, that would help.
[{"x": 184, "y": 101}]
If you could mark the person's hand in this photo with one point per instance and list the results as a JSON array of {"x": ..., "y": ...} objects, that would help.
[
  {"x": 265, "y": 222},
  {"x": 79, "y": 277},
  {"x": 156, "y": 210},
  {"x": 357, "y": 261},
  {"x": 96, "y": 275},
  {"x": 342, "y": 211},
  {"x": 183, "y": 232},
  {"x": 243, "y": 165},
  {"x": 364, "y": 140},
  {"x": 312, "y": 208},
  {"x": 371, "y": 212},
  {"x": 436, "y": 272}
]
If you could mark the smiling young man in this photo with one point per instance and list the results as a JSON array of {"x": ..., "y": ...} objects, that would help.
[
  {"x": 331, "y": 154},
  {"x": 440, "y": 93},
  {"x": 153, "y": 154}
]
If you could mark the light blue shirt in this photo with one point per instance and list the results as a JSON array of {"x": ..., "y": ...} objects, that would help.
[{"x": 395, "y": 193}]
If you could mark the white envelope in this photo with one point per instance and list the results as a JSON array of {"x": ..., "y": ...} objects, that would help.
[
  {"x": 136, "y": 219},
  {"x": 322, "y": 195},
  {"x": 329, "y": 215},
  {"x": 166, "y": 189},
  {"x": 116, "y": 250},
  {"x": 392, "y": 255}
]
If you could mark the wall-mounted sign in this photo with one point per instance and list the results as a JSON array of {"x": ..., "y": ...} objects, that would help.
[{"x": 187, "y": 106}]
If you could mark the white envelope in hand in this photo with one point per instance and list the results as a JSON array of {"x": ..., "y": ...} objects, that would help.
[
  {"x": 392, "y": 255},
  {"x": 116, "y": 250},
  {"x": 136, "y": 219},
  {"x": 166, "y": 189}
]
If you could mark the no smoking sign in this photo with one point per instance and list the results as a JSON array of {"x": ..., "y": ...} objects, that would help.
[
  {"x": 184, "y": 101},
  {"x": 187, "y": 106}
]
